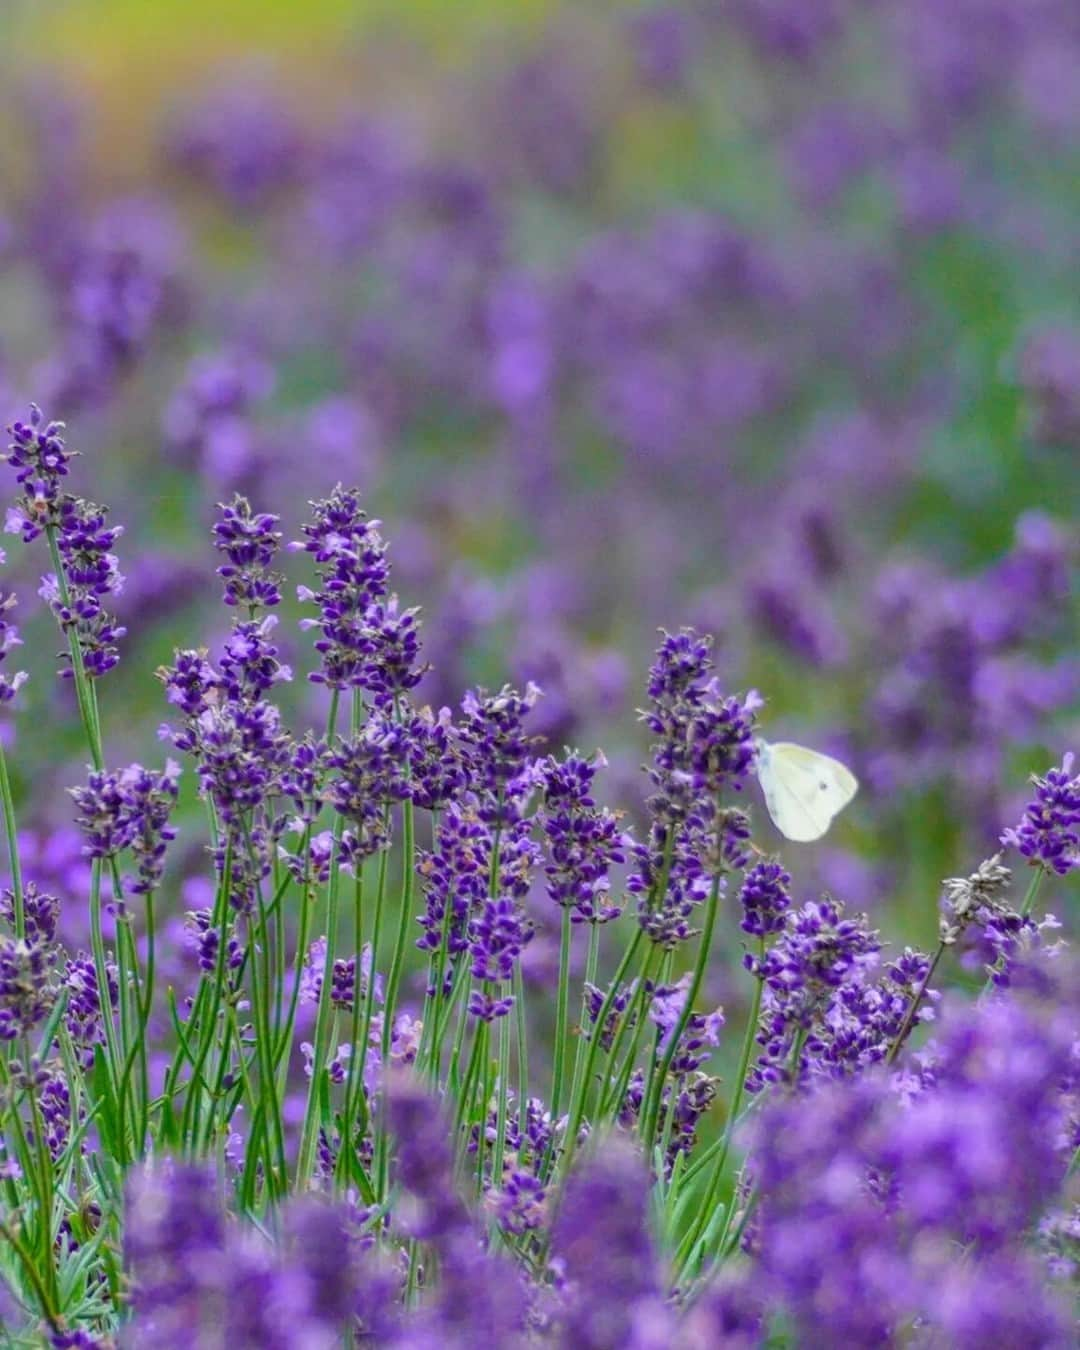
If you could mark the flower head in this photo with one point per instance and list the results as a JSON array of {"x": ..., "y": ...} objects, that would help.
[
  {"x": 350, "y": 557},
  {"x": 249, "y": 541},
  {"x": 39, "y": 455},
  {"x": 765, "y": 898},
  {"x": 1049, "y": 832},
  {"x": 26, "y": 991}
]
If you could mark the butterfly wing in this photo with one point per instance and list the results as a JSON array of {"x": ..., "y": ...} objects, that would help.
[{"x": 803, "y": 789}]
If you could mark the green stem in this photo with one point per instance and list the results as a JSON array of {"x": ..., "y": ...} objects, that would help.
[
  {"x": 458, "y": 1000},
  {"x": 397, "y": 962},
  {"x": 48, "y": 1307},
  {"x": 687, "y": 1246},
  {"x": 522, "y": 1041},
  {"x": 310, "y": 1133},
  {"x": 634, "y": 1022},
  {"x": 664, "y": 977},
  {"x": 45, "y": 1169},
  {"x": 581, "y": 1095},
  {"x": 189, "y": 1126},
  {"x": 101, "y": 974},
  {"x": 696, "y": 980},
  {"x": 353, "y": 1085},
  {"x": 437, "y": 1003},
  {"x": 145, "y": 1009},
  {"x": 284, "y": 1045},
  {"x": 592, "y": 960},
  {"x": 261, "y": 996},
  {"x": 503, "y": 1107},
  {"x": 432, "y": 990},
  {"x": 12, "y": 835},
  {"x": 486, "y": 1088},
  {"x": 561, "y": 1013},
  {"x": 360, "y": 1051}
]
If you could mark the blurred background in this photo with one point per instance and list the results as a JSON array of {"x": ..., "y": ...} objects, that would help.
[{"x": 760, "y": 315}]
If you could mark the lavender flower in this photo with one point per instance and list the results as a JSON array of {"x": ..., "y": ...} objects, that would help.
[
  {"x": 923, "y": 1199},
  {"x": 40, "y": 913},
  {"x": 686, "y": 1102},
  {"x": 701, "y": 1029},
  {"x": 249, "y": 542},
  {"x": 818, "y": 955},
  {"x": 496, "y": 744},
  {"x": 390, "y": 644},
  {"x": 437, "y": 772},
  {"x": 678, "y": 688},
  {"x": 583, "y": 840},
  {"x": 498, "y": 933},
  {"x": 38, "y": 453},
  {"x": 454, "y": 876},
  {"x": 602, "y": 1235},
  {"x": 129, "y": 808},
  {"x": 9, "y": 638},
  {"x": 207, "y": 412},
  {"x": 479, "y": 1294},
  {"x": 594, "y": 1002},
  {"x": 765, "y": 899},
  {"x": 350, "y": 557},
  {"x": 705, "y": 748},
  {"x": 425, "y": 1164},
  {"x": 520, "y": 1207},
  {"x": 1047, "y": 834},
  {"x": 368, "y": 774},
  {"x": 26, "y": 991},
  {"x": 205, "y": 937},
  {"x": 343, "y": 988},
  {"x": 241, "y": 752},
  {"x": 1049, "y": 371},
  {"x": 189, "y": 684},
  {"x": 83, "y": 1014},
  {"x": 54, "y": 1103},
  {"x": 190, "y": 1271},
  {"x": 91, "y": 571},
  {"x": 249, "y": 664},
  {"x": 240, "y": 140}
]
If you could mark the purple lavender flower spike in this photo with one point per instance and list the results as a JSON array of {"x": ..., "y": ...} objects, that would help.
[
  {"x": 83, "y": 1014},
  {"x": 705, "y": 748},
  {"x": 765, "y": 898},
  {"x": 498, "y": 934},
  {"x": 38, "y": 453},
  {"x": 390, "y": 645},
  {"x": 40, "y": 912},
  {"x": 129, "y": 808},
  {"x": 437, "y": 768},
  {"x": 9, "y": 638},
  {"x": 189, "y": 682},
  {"x": 1048, "y": 834},
  {"x": 26, "y": 990},
  {"x": 602, "y": 1235},
  {"x": 583, "y": 840},
  {"x": 497, "y": 747},
  {"x": 350, "y": 557},
  {"x": 249, "y": 541}
]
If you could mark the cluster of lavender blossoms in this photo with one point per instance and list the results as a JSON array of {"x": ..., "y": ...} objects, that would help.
[{"x": 334, "y": 1102}]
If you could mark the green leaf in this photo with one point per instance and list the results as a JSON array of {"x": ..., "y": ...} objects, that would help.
[{"x": 110, "y": 1126}]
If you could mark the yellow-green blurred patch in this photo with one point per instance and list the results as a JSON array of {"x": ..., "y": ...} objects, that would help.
[{"x": 131, "y": 57}]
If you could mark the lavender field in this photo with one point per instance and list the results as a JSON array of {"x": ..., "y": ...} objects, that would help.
[{"x": 540, "y": 808}]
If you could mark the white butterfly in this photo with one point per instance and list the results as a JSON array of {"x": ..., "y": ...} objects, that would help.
[{"x": 803, "y": 788}]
